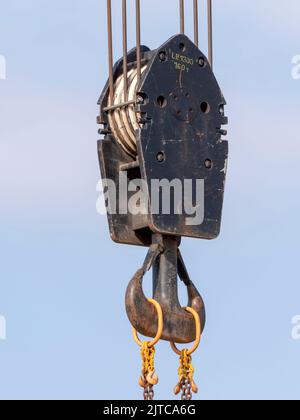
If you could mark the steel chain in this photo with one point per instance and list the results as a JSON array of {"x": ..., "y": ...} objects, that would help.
[{"x": 186, "y": 384}]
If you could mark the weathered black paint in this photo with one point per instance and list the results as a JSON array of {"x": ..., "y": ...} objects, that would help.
[
  {"x": 187, "y": 135},
  {"x": 180, "y": 138}
]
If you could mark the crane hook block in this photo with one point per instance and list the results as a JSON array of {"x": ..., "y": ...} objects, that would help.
[{"x": 164, "y": 138}]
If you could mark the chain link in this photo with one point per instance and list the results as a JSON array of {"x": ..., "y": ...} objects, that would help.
[
  {"x": 148, "y": 391},
  {"x": 148, "y": 378},
  {"x": 186, "y": 384}
]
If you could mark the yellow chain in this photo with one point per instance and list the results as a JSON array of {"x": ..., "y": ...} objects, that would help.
[
  {"x": 186, "y": 383},
  {"x": 148, "y": 378},
  {"x": 148, "y": 370},
  {"x": 186, "y": 375}
]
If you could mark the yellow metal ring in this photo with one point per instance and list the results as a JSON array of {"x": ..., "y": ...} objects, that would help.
[
  {"x": 198, "y": 333},
  {"x": 159, "y": 328}
]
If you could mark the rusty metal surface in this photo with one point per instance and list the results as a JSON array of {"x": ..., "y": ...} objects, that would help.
[{"x": 179, "y": 326}]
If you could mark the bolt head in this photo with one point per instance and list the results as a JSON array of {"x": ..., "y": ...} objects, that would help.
[
  {"x": 160, "y": 157},
  {"x": 140, "y": 99},
  {"x": 201, "y": 61}
]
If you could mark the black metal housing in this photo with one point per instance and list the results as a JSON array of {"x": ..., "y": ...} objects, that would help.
[{"x": 181, "y": 116}]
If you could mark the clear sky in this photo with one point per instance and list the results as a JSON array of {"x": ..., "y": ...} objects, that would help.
[{"x": 62, "y": 281}]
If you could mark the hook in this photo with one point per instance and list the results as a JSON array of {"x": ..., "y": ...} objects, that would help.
[
  {"x": 152, "y": 378},
  {"x": 167, "y": 262}
]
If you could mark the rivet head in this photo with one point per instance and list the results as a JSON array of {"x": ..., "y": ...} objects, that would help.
[{"x": 201, "y": 61}]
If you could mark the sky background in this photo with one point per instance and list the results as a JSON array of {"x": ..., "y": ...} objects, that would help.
[{"x": 62, "y": 280}]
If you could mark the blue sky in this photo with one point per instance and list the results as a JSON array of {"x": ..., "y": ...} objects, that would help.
[{"x": 62, "y": 281}]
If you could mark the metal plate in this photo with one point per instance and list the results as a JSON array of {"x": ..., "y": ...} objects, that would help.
[{"x": 185, "y": 113}]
